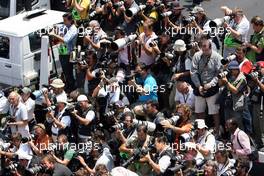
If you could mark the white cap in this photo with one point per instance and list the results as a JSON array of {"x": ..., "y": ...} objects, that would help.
[
  {"x": 197, "y": 9},
  {"x": 200, "y": 123},
  {"x": 61, "y": 99},
  {"x": 179, "y": 45},
  {"x": 82, "y": 98}
]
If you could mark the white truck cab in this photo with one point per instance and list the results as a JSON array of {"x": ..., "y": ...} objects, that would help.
[
  {"x": 20, "y": 46},
  {"x": 13, "y": 7}
]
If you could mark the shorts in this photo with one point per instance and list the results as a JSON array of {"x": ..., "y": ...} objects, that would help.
[{"x": 201, "y": 102}]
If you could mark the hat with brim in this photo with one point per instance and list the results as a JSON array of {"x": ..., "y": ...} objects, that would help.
[
  {"x": 247, "y": 67},
  {"x": 82, "y": 98},
  {"x": 26, "y": 90},
  {"x": 57, "y": 83}
]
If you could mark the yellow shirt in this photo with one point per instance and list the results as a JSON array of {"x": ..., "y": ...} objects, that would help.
[
  {"x": 153, "y": 15},
  {"x": 86, "y": 5}
]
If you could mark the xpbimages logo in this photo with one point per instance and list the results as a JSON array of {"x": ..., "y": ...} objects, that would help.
[{"x": 183, "y": 30}]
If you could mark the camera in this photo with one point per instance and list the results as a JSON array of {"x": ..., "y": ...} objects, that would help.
[
  {"x": 27, "y": 139},
  {"x": 99, "y": 72},
  {"x": 118, "y": 126},
  {"x": 154, "y": 42},
  {"x": 174, "y": 119},
  {"x": 118, "y": 4},
  {"x": 12, "y": 166},
  {"x": 166, "y": 14},
  {"x": 38, "y": 93},
  {"x": 191, "y": 45},
  {"x": 187, "y": 20},
  {"x": 92, "y": 14},
  {"x": 150, "y": 126},
  {"x": 37, "y": 169},
  {"x": 230, "y": 172},
  {"x": 134, "y": 10},
  {"x": 71, "y": 107},
  {"x": 50, "y": 108},
  {"x": 89, "y": 31},
  {"x": 122, "y": 42},
  {"x": 222, "y": 74},
  {"x": 228, "y": 59},
  {"x": 109, "y": 113}
]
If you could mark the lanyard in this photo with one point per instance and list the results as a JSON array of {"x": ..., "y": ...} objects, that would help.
[{"x": 185, "y": 98}]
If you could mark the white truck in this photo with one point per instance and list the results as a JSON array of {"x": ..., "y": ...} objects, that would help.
[
  {"x": 25, "y": 57},
  {"x": 13, "y": 7}
]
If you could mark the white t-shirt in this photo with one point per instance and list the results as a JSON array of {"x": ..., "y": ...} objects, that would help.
[
  {"x": 113, "y": 96},
  {"x": 65, "y": 120},
  {"x": 242, "y": 28},
  {"x": 20, "y": 113},
  {"x": 145, "y": 58},
  {"x": 121, "y": 171},
  {"x": 185, "y": 98},
  {"x": 106, "y": 159},
  {"x": 164, "y": 163},
  {"x": 208, "y": 141},
  {"x": 30, "y": 104},
  {"x": 123, "y": 56}
]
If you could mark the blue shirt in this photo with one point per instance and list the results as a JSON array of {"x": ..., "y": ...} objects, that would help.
[
  {"x": 150, "y": 84},
  {"x": 69, "y": 36}
]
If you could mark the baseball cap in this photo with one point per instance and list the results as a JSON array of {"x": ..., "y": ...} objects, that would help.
[
  {"x": 179, "y": 45},
  {"x": 197, "y": 9},
  {"x": 120, "y": 104},
  {"x": 82, "y": 98},
  {"x": 61, "y": 99},
  {"x": 233, "y": 65},
  {"x": 201, "y": 123}
]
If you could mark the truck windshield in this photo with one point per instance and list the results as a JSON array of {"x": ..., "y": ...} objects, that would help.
[{"x": 4, "y": 9}]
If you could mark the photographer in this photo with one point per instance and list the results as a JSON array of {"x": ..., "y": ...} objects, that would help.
[
  {"x": 129, "y": 23},
  {"x": 205, "y": 142},
  {"x": 148, "y": 90},
  {"x": 57, "y": 169},
  {"x": 201, "y": 21},
  {"x": 210, "y": 168},
  {"x": 206, "y": 66},
  {"x": 241, "y": 147},
  {"x": 66, "y": 154},
  {"x": 86, "y": 119},
  {"x": 60, "y": 119},
  {"x": 17, "y": 147},
  {"x": 236, "y": 87},
  {"x": 183, "y": 62},
  {"x": 182, "y": 126},
  {"x": 237, "y": 30},
  {"x": 19, "y": 115},
  {"x": 131, "y": 146},
  {"x": 100, "y": 153},
  {"x": 128, "y": 131},
  {"x": 146, "y": 53},
  {"x": 224, "y": 163},
  {"x": 68, "y": 41},
  {"x": 184, "y": 94},
  {"x": 149, "y": 14},
  {"x": 80, "y": 8},
  {"x": 256, "y": 43},
  {"x": 41, "y": 141},
  {"x": 30, "y": 104},
  {"x": 91, "y": 79},
  {"x": 256, "y": 99},
  {"x": 163, "y": 156},
  {"x": 94, "y": 34}
]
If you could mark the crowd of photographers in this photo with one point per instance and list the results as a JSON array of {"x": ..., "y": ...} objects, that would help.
[{"x": 145, "y": 91}]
